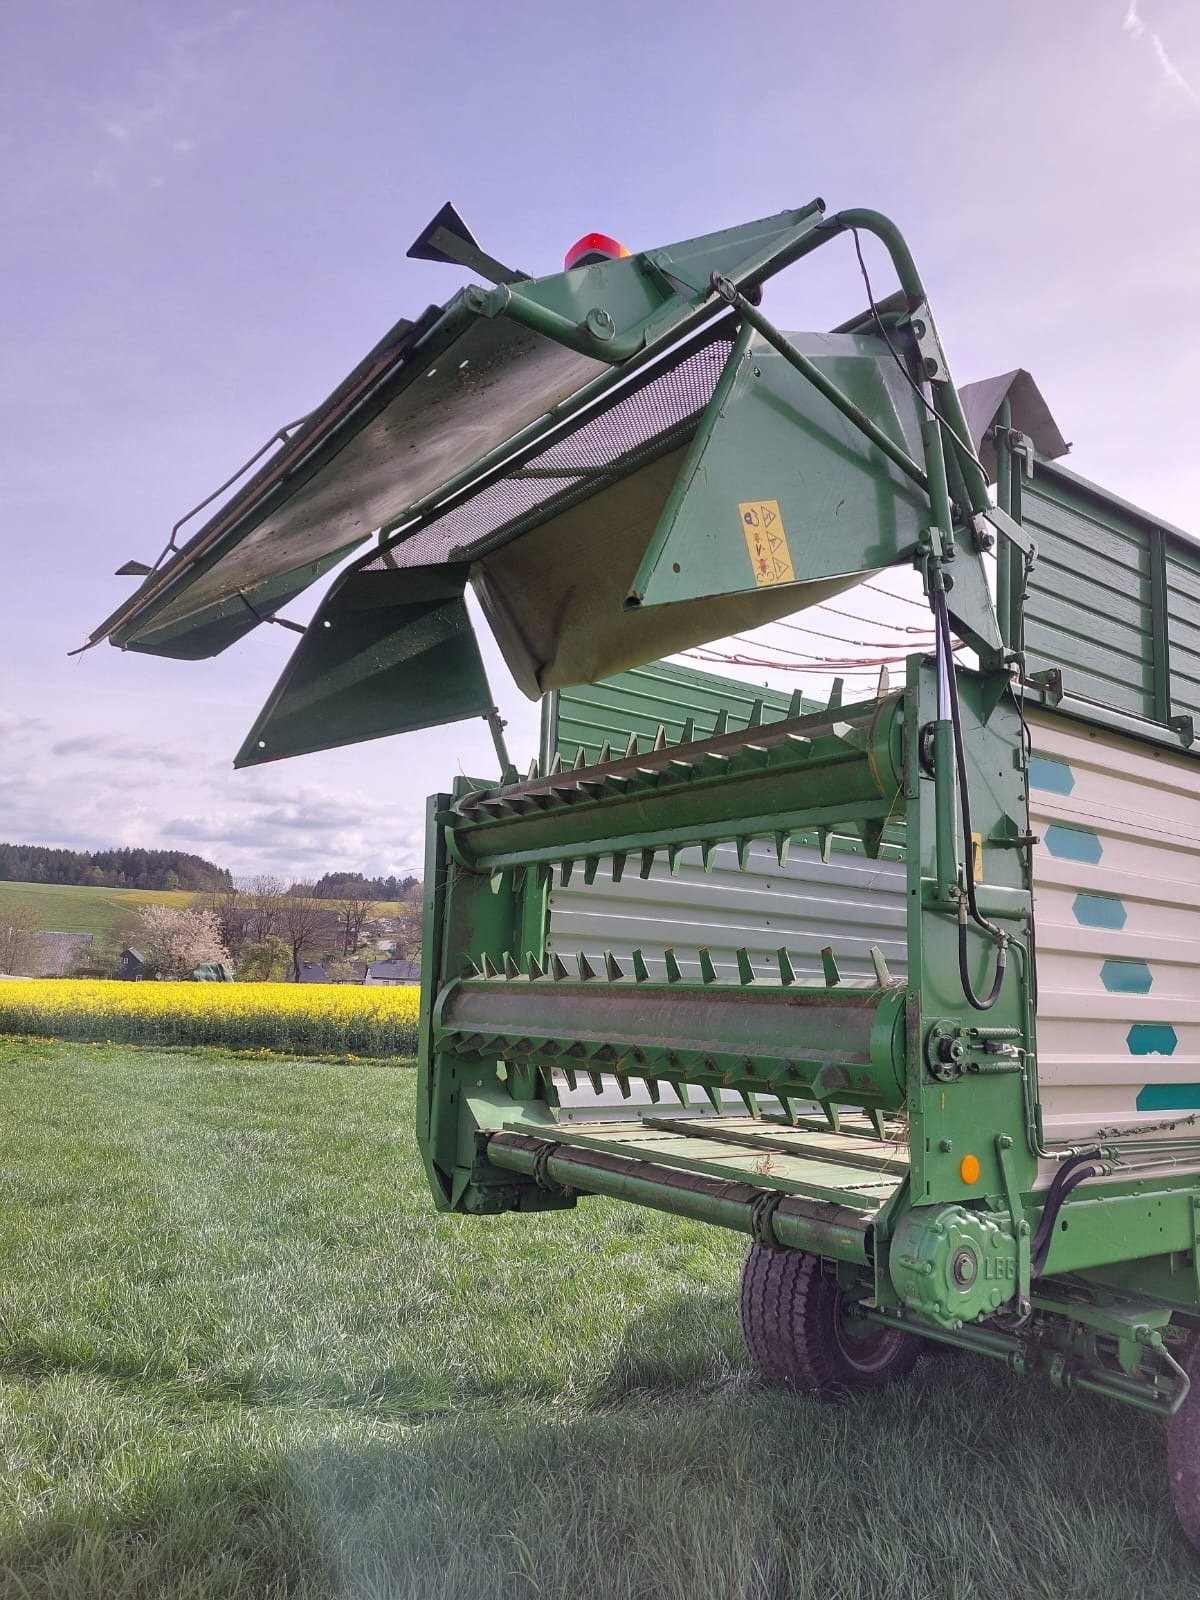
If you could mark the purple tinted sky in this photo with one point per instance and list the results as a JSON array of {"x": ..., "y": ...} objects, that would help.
[{"x": 205, "y": 210}]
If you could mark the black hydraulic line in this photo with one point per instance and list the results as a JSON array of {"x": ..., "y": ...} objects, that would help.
[
  {"x": 964, "y": 445},
  {"x": 964, "y": 972},
  {"x": 1068, "y": 1177},
  {"x": 970, "y": 904},
  {"x": 1027, "y": 741}
]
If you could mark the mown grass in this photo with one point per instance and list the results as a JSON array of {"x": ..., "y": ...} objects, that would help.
[
  {"x": 240, "y": 1355},
  {"x": 301, "y": 1019},
  {"x": 74, "y": 908}
]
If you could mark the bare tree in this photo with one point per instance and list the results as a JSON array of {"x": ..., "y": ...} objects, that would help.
[
  {"x": 264, "y": 898},
  {"x": 301, "y": 920},
  {"x": 353, "y": 911},
  {"x": 20, "y": 937},
  {"x": 235, "y": 914},
  {"x": 409, "y": 924}
]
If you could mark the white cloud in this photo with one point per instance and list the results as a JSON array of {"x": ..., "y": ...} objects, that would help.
[
  {"x": 118, "y": 750},
  {"x": 81, "y": 744},
  {"x": 1134, "y": 24},
  {"x": 181, "y": 63},
  {"x": 17, "y": 725},
  {"x": 98, "y": 788},
  {"x": 289, "y": 830},
  {"x": 1170, "y": 72}
]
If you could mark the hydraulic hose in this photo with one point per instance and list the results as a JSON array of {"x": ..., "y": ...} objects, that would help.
[
  {"x": 1069, "y": 1176},
  {"x": 969, "y": 906}
]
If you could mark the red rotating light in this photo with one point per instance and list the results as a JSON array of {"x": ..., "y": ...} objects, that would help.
[{"x": 591, "y": 248}]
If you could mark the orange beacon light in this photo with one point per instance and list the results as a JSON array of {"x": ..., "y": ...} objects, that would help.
[{"x": 593, "y": 247}]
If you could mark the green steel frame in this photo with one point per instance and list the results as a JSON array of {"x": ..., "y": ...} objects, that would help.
[
  {"x": 891, "y": 1127},
  {"x": 971, "y": 1242}
]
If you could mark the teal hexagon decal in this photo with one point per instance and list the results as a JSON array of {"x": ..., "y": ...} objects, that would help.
[
  {"x": 1073, "y": 844},
  {"x": 1152, "y": 1039},
  {"x": 1126, "y": 977},
  {"x": 1099, "y": 911},
  {"x": 1169, "y": 1097},
  {"x": 1055, "y": 777}
]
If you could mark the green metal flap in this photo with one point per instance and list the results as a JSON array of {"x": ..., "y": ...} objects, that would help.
[
  {"x": 779, "y": 487},
  {"x": 388, "y": 651},
  {"x": 213, "y": 629}
]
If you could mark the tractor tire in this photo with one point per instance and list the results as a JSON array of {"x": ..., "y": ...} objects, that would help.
[
  {"x": 798, "y": 1335},
  {"x": 1183, "y": 1450}
]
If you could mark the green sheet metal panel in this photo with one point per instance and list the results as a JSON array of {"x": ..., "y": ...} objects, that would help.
[
  {"x": 386, "y": 652},
  {"x": 659, "y": 694},
  {"x": 1183, "y": 628},
  {"x": 434, "y": 400},
  {"x": 1114, "y": 601},
  {"x": 1089, "y": 610},
  {"x": 779, "y": 487}
]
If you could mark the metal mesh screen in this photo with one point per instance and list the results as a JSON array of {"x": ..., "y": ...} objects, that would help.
[{"x": 657, "y": 414}]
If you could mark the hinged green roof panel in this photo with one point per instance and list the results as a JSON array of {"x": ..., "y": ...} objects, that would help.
[{"x": 433, "y": 405}]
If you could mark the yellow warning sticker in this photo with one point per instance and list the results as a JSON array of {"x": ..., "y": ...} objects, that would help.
[
  {"x": 977, "y": 856},
  {"x": 766, "y": 542}
]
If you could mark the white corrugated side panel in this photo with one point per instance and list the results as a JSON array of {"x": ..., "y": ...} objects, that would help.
[
  {"x": 849, "y": 903},
  {"x": 1117, "y": 876},
  {"x": 1118, "y": 922}
]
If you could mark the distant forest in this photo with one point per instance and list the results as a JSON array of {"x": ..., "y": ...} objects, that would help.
[
  {"x": 353, "y": 886},
  {"x": 110, "y": 869},
  {"x": 169, "y": 869}
]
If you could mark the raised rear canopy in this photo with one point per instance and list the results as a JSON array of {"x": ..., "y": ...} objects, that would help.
[{"x": 623, "y": 460}]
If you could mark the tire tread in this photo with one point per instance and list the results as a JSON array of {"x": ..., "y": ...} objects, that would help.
[
  {"x": 1183, "y": 1450},
  {"x": 788, "y": 1308}
]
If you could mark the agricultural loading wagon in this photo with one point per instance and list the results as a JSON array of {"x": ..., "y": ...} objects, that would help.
[{"x": 904, "y": 989}]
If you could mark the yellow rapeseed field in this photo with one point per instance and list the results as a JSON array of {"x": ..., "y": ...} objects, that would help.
[{"x": 294, "y": 1019}]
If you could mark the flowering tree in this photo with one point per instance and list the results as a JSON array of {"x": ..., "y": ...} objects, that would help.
[{"x": 178, "y": 940}]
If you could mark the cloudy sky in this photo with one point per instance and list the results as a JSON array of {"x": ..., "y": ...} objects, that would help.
[{"x": 205, "y": 209}]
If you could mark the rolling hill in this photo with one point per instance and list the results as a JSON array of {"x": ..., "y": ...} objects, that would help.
[{"x": 71, "y": 908}]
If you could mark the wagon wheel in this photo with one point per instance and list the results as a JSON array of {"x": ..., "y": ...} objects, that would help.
[
  {"x": 799, "y": 1334},
  {"x": 1183, "y": 1449}
]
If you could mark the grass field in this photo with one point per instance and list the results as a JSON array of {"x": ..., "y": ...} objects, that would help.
[
  {"x": 70, "y": 908},
  {"x": 240, "y": 1356}
]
